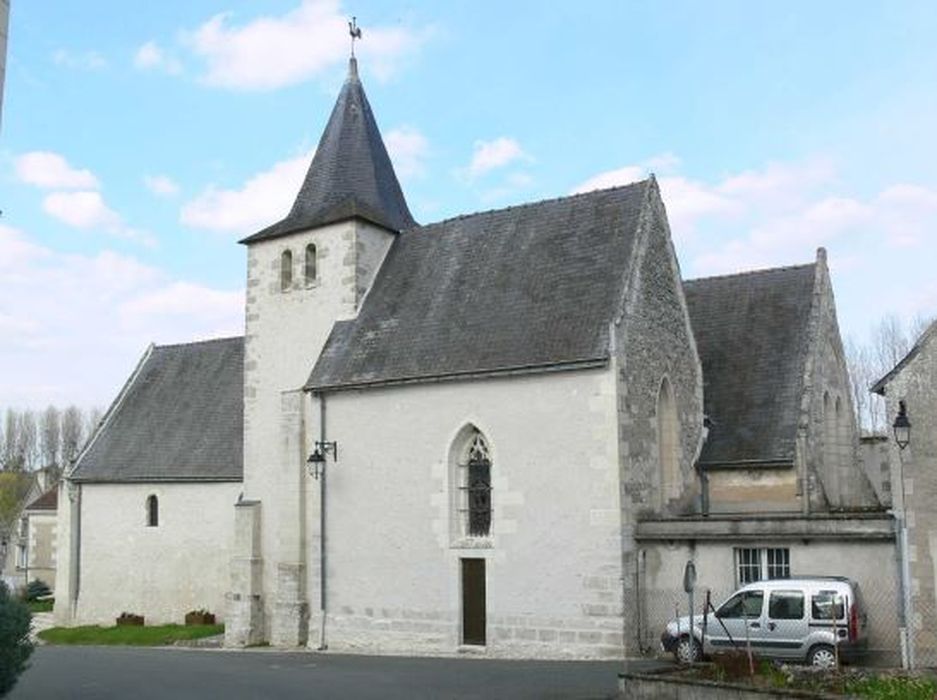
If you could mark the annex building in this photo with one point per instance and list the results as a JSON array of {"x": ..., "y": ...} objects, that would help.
[{"x": 503, "y": 432}]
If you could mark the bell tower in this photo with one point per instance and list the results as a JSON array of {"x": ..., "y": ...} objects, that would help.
[{"x": 304, "y": 273}]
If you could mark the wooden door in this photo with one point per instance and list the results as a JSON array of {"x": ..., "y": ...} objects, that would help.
[{"x": 473, "y": 601}]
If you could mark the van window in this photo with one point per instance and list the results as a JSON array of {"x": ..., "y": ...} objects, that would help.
[
  {"x": 744, "y": 604},
  {"x": 822, "y": 605},
  {"x": 786, "y": 605}
]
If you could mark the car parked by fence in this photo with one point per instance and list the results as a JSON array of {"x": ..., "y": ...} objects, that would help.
[{"x": 819, "y": 620}]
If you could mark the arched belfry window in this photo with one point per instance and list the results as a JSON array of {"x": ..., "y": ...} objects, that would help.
[
  {"x": 152, "y": 511},
  {"x": 474, "y": 486},
  {"x": 286, "y": 270},
  {"x": 668, "y": 443},
  {"x": 310, "y": 268}
]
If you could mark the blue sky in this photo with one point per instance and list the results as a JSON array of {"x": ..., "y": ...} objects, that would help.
[{"x": 141, "y": 140}]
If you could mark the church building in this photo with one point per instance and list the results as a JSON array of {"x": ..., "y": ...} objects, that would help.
[{"x": 501, "y": 433}]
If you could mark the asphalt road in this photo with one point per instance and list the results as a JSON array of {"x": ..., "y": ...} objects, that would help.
[{"x": 126, "y": 672}]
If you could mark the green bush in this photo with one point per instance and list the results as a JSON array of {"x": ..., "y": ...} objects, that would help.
[
  {"x": 15, "y": 646},
  {"x": 37, "y": 589}
]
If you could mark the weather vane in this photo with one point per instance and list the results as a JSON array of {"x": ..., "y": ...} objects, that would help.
[{"x": 355, "y": 32}]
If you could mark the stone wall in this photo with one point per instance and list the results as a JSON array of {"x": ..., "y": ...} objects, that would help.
[
  {"x": 653, "y": 340},
  {"x": 285, "y": 332},
  {"x": 874, "y": 453},
  {"x": 916, "y": 384},
  {"x": 160, "y": 572},
  {"x": 553, "y": 557}
]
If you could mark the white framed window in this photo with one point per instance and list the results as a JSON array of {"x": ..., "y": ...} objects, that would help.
[
  {"x": 761, "y": 563},
  {"x": 21, "y": 556}
]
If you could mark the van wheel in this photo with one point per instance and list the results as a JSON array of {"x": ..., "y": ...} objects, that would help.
[
  {"x": 687, "y": 651},
  {"x": 822, "y": 656}
]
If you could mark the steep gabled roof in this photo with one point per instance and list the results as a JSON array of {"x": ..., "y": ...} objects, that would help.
[
  {"x": 518, "y": 289},
  {"x": 930, "y": 333},
  {"x": 751, "y": 333},
  {"x": 351, "y": 175},
  {"x": 179, "y": 418}
]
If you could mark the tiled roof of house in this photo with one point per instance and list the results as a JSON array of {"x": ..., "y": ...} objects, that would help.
[
  {"x": 751, "y": 334},
  {"x": 179, "y": 418},
  {"x": 351, "y": 174},
  {"x": 527, "y": 287},
  {"x": 47, "y": 501}
]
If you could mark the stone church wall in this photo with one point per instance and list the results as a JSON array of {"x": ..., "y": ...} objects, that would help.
[
  {"x": 160, "y": 572},
  {"x": 553, "y": 559},
  {"x": 653, "y": 341},
  {"x": 285, "y": 332}
]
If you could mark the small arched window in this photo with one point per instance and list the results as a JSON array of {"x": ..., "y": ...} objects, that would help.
[
  {"x": 668, "y": 443},
  {"x": 310, "y": 263},
  {"x": 152, "y": 511},
  {"x": 286, "y": 270},
  {"x": 472, "y": 479}
]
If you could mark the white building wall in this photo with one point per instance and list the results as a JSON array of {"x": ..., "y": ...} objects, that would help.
[
  {"x": 553, "y": 560},
  {"x": 159, "y": 572}
]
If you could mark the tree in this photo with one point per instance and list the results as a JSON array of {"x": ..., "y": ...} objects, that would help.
[
  {"x": 15, "y": 646},
  {"x": 10, "y": 432},
  {"x": 72, "y": 433},
  {"x": 50, "y": 437},
  {"x": 27, "y": 441}
]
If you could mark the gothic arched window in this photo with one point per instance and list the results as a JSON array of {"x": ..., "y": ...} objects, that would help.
[
  {"x": 310, "y": 268},
  {"x": 286, "y": 270},
  {"x": 152, "y": 511},
  {"x": 668, "y": 443},
  {"x": 472, "y": 465}
]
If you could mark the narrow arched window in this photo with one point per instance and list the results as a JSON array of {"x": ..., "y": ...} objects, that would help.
[
  {"x": 286, "y": 270},
  {"x": 668, "y": 443},
  {"x": 473, "y": 479},
  {"x": 152, "y": 511},
  {"x": 310, "y": 263}
]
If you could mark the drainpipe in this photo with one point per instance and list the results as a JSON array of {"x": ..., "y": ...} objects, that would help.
[
  {"x": 73, "y": 491},
  {"x": 322, "y": 550}
]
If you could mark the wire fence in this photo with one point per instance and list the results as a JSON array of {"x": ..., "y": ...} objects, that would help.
[{"x": 880, "y": 605}]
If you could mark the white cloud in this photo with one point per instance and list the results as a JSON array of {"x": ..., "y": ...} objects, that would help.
[
  {"x": 50, "y": 170},
  {"x": 161, "y": 185},
  {"x": 274, "y": 51},
  {"x": 262, "y": 200},
  {"x": 74, "y": 325},
  {"x": 408, "y": 149},
  {"x": 150, "y": 56},
  {"x": 87, "y": 210},
  {"x": 491, "y": 155},
  {"x": 87, "y": 60},
  {"x": 83, "y": 209}
]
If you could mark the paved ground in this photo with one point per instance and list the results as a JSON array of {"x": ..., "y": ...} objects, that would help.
[
  {"x": 41, "y": 621},
  {"x": 180, "y": 674}
]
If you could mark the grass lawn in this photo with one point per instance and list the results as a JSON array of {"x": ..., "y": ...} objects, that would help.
[
  {"x": 128, "y": 635},
  {"x": 37, "y": 606}
]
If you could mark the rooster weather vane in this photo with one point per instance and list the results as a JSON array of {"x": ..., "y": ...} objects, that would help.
[{"x": 355, "y": 32}]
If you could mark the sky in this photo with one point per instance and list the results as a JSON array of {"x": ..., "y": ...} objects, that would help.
[{"x": 141, "y": 141}]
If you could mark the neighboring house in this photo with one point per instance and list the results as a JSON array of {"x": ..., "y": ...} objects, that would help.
[
  {"x": 487, "y": 433},
  {"x": 147, "y": 510},
  {"x": 914, "y": 382},
  {"x": 30, "y": 533}
]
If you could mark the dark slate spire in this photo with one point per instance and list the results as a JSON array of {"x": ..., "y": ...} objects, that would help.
[{"x": 351, "y": 174}]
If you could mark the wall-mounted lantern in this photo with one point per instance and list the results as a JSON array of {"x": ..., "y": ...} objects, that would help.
[
  {"x": 902, "y": 426},
  {"x": 317, "y": 459}
]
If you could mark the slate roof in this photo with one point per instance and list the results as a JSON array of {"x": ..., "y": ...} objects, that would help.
[
  {"x": 751, "y": 334},
  {"x": 532, "y": 286},
  {"x": 47, "y": 501},
  {"x": 880, "y": 386},
  {"x": 351, "y": 174},
  {"x": 179, "y": 418}
]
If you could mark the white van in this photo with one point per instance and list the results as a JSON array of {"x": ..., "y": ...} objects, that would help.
[{"x": 799, "y": 619}]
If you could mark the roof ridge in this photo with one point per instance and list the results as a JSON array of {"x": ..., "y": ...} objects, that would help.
[
  {"x": 527, "y": 205},
  {"x": 201, "y": 342},
  {"x": 749, "y": 273}
]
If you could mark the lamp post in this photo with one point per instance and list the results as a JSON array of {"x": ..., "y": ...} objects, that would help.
[{"x": 902, "y": 432}]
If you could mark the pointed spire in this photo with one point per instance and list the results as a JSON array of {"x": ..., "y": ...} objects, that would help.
[{"x": 351, "y": 175}]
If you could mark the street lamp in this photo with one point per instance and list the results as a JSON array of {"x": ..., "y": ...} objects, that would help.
[
  {"x": 317, "y": 459},
  {"x": 902, "y": 430},
  {"x": 902, "y": 426}
]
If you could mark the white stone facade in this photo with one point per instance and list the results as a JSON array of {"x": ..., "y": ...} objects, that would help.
[{"x": 122, "y": 564}]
